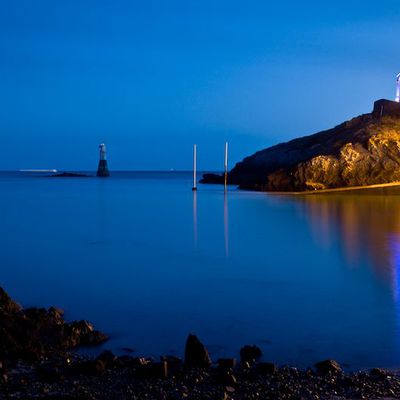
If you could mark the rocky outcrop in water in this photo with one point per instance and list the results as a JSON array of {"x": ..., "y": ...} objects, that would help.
[
  {"x": 359, "y": 152},
  {"x": 31, "y": 333}
]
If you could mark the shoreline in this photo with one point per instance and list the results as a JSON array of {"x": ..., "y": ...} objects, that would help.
[
  {"x": 39, "y": 358},
  {"x": 215, "y": 179},
  {"x": 341, "y": 189}
]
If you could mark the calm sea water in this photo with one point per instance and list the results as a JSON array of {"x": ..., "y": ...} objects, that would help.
[{"x": 148, "y": 261}]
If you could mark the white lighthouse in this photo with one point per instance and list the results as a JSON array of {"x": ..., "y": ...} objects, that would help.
[
  {"x": 103, "y": 154},
  {"x": 102, "y": 170},
  {"x": 398, "y": 88}
]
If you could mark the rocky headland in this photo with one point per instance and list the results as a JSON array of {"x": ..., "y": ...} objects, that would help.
[
  {"x": 38, "y": 359},
  {"x": 360, "y": 152}
]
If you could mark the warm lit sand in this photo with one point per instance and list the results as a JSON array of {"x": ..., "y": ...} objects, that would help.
[{"x": 344, "y": 189}]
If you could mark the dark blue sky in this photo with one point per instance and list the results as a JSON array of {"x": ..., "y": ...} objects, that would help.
[{"x": 150, "y": 78}]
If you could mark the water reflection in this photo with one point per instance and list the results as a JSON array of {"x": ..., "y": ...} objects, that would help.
[
  {"x": 367, "y": 230},
  {"x": 282, "y": 287},
  {"x": 367, "y": 227},
  {"x": 226, "y": 224},
  {"x": 195, "y": 229}
]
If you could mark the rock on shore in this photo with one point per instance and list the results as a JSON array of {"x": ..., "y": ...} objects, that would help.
[
  {"x": 362, "y": 151},
  {"x": 196, "y": 355},
  {"x": 37, "y": 362},
  {"x": 31, "y": 333}
]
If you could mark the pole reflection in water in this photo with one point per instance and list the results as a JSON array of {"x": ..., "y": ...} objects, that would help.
[
  {"x": 226, "y": 223},
  {"x": 195, "y": 219}
]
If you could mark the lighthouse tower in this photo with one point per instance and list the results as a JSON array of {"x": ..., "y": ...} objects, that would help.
[
  {"x": 398, "y": 88},
  {"x": 102, "y": 170}
]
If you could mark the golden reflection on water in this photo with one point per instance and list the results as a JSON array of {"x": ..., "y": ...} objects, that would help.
[{"x": 367, "y": 227}]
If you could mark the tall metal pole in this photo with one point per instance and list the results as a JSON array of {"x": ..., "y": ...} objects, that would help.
[
  {"x": 194, "y": 188},
  {"x": 397, "y": 88},
  {"x": 226, "y": 165}
]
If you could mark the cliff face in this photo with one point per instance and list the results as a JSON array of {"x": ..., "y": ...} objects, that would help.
[{"x": 362, "y": 151}]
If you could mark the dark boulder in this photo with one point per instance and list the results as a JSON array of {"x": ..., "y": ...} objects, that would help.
[
  {"x": 328, "y": 367},
  {"x": 226, "y": 377},
  {"x": 266, "y": 368},
  {"x": 226, "y": 363},
  {"x": 212, "y": 178},
  {"x": 250, "y": 353},
  {"x": 378, "y": 373},
  {"x": 174, "y": 364},
  {"x": 196, "y": 355},
  {"x": 49, "y": 373},
  {"x": 152, "y": 370},
  {"x": 7, "y": 305},
  {"x": 89, "y": 367},
  {"x": 56, "y": 314},
  {"x": 82, "y": 333},
  {"x": 124, "y": 361},
  {"x": 107, "y": 357},
  {"x": 29, "y": 334}
]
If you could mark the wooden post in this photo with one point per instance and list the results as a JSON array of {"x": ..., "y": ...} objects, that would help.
[{"x": 194, "y": 188}]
